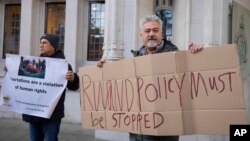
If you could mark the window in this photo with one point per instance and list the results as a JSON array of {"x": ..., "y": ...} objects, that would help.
[
  {"x": 55, "y": 21},
  {"x": 11, "y": 29},
  {"x": 166, "y": 17},
  {"x": 95, "y": 30},
  {"x": 164, "y": 10},
  {"x": 157, "y": 2}
]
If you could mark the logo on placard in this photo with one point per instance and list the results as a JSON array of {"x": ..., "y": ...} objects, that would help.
[{"x": 6, "y": 100}]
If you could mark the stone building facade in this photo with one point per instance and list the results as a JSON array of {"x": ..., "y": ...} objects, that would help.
[{"x": 91, "y": 29}]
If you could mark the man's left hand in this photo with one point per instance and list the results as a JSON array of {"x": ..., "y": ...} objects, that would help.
[
  {"x": 194, "y": 48},
  {"x": 70, "y": 76}
]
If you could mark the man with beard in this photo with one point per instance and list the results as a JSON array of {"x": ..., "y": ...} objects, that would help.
[
  {"x": 153, "y": 42},
  {"x": 47, "y": 129}
]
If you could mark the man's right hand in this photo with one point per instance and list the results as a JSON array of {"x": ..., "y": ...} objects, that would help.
[
  {"x": 100, "y": 63},
  {"x": 194, "y": 48}
]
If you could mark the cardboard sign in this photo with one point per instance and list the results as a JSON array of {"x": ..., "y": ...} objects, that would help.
[{"x": 172, "y": 93}]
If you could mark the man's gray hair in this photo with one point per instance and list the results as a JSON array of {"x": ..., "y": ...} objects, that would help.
[{"x": 150, "y": 18}]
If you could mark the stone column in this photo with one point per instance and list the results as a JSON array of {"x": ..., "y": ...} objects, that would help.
[
  {"x": 71, "y": 31},
  {"x": 113, "y": 49},
  {"x": 113, "y": 37},
  {"x": 31, "y": 23},
  {"x": 211, "y": 25}
]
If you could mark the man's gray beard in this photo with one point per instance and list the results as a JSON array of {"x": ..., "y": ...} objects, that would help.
[{"x": 151, "y": 44}]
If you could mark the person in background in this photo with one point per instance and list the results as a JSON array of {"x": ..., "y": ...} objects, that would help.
[
  {"x": 43, "y": 129},
  {"x": 153, "y": 42}
]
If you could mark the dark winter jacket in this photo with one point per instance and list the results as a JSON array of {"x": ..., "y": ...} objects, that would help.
[
  {"x": 167, "y": 46},
  {"x": 58, "y": 112}
]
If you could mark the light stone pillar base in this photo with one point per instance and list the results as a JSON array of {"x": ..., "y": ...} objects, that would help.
[{"x": 113, "y": 52}]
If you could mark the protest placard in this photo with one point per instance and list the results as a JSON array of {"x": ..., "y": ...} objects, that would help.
[
  {"x": 33, "y": 85},
  {"x": 174, "y": 93}
]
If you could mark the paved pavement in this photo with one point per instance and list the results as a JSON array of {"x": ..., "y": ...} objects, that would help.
[{"x": 17, "y": 130}]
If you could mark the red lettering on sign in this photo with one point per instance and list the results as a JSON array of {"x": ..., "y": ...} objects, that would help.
[
  {"x": 127, "y": 120},
  {"x": 180, "y": 86},
  {"x": 212, "y": 83},
  {"x": 144, "y": 120},
  {"x": 139, "y": 87},
  {"x": 195, "y": 84},
  {"x": 155, "y": 93},
  {"x": 121, "y": 96},
  {"x": 85, "y": 90},
  {"x": 160, "y": 119},
  {"x": 128, "y": 84},
  {"x": 165, "y": 86},
  {"x": 97, "y": 121}
]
